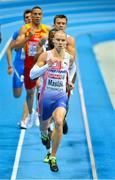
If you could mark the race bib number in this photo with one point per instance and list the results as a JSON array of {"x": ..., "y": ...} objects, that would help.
[{"x": 56, "y": 80}]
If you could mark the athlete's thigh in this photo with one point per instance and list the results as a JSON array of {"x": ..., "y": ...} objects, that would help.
[
  {"x": 60, "y": 108},
  {"x": 17, "y": 81},
  {"x": 59, "y": 114},
  {"x": 45, "y": 108}
]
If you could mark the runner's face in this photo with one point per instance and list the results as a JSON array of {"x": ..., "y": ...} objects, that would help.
[
  {"x": 36, "y": 16},
  {"x": 50, "y": 39},
  {"x": 60, "y": 24},
  {"x": 27, "y": 18},
  {"x": 51, "y": 36},
  {"x": 60, "y": 40}
]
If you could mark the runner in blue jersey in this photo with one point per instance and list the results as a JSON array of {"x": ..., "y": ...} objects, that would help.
[{"x": 17, "y": 68}]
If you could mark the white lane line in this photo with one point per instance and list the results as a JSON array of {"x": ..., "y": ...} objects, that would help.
[
  {"x": 85, "y": 118},
  {"x": 4, "y": 49},
  {"x": 18, "y": 154}
]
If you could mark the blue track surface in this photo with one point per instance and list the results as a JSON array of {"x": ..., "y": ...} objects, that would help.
[
  {"x": 100, "y": 112},
  {"x": 90, "y": 22}
]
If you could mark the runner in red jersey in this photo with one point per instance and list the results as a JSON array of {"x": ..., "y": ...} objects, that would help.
[
  {"x": 31, "y": 36},
  {"x": 31, "y": 51}
]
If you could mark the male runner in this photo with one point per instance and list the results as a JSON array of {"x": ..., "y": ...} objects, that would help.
[
  {"x": 30, "y": 37},
  {"x": 60, "y": 23},
  {"x": 17, "y": 68},
  {"x": 54, "y": 66}
]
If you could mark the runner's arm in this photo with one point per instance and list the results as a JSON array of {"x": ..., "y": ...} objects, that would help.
[
  {"x": 9, "y": 57},
  {"x": 71, "y": 46},
  {"x": 22, "y": 38},
  {"x": 41, "y": 66},
  {"x": 35, "y": 71},
  {"x": 72, "y": 69}
]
